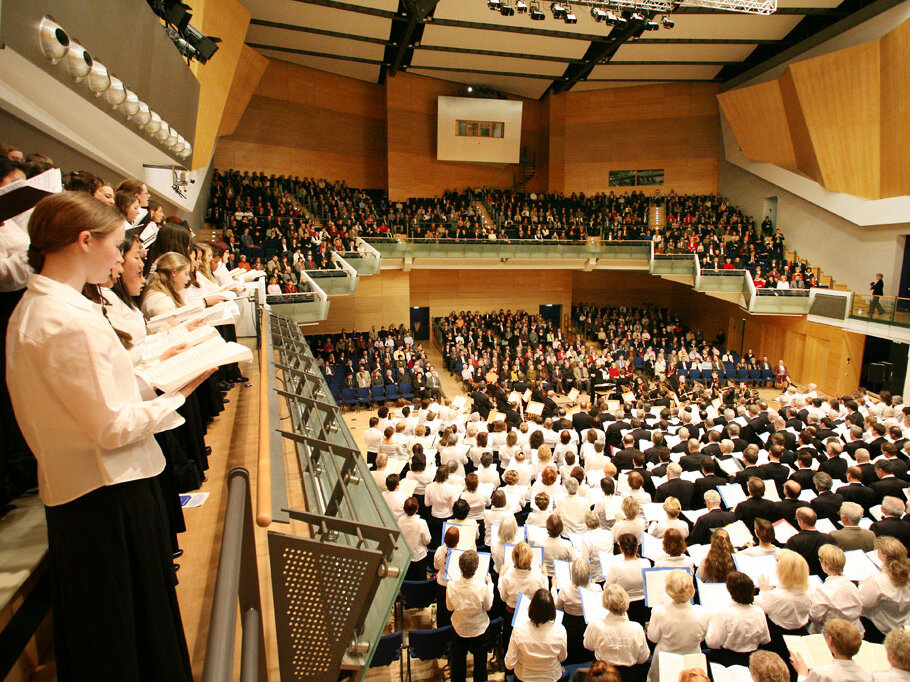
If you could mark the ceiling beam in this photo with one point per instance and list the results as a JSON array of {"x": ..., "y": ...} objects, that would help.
[
  {"x": 510, "y": 74},
  {"x": 597, "y": 53},
  {"x": 312, "y": 53},
  {"x": 404, "y": 35}
]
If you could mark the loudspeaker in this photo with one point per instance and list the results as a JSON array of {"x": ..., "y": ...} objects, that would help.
[{"x": 876, "y": 373}]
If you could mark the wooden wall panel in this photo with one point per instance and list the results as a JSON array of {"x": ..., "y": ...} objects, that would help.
[
  {"x": 487, "y": 290},
  {"x": 413, "y": 171},
  {"x": 555, "y": 106},
  {"x": 806, "y": 160},
  {"x": 227, "y": 19},
  {"x": 380, "y": 300},
  {"x": 839, "y": 94},
  {"x": 674, "y": 126},
  {"x": 615, "y": 287},
  {"x": 250, "y": 68},
  {"x": 310, "y": 123},
  {"x": 895, "y": 111},
  {"x": 759, "y": 122}
]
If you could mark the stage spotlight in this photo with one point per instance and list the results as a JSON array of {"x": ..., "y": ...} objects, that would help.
[
  {"x": 521, "y": 6},
  {"x": 494, "y": 5},
  {"x": 116, "y": 94},
  {"x": 616, "y": 19},
  {"x": 636, "y": 16},
  {"x": 470, "y": 89},
  {"x": 570, "y": 17},
  {"x": 598, "y": 14},
  {"x": 667, "y": 22},
  {"x": 164, "y": 132},
  {"x": 187, "y": 150},
  {"x": 53, "y": 39},
  {"x": 536, "y": 13},
  {"x": 651, "y": 25},
  {"x": 558, "y": 10},
  {"x": 507, "y": 10},
  {"x": 78, "y": 61}
]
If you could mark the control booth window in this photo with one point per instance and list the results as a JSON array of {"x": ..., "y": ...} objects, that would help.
[
  {"x": 480, "y": 128},
  {"x": 639, "y": 178}
]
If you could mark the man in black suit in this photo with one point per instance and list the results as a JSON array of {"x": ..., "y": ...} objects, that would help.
[
  {"x": 774, "y": 470},
  {"x": 682, "y": 447},
  {"x": 891, "y": 523},
  {"x": 638, "y": 464},
  {"x": 482, "y": 402},
  {"x": 887, "y": 483},
  {"x": 786, "y": 508},
  {"x": 750, "y": 459},
  {"x": 809, "y": 539},
  {"x": 856, "y": 492},
  {"x": 827, "y": 504},
  {"x": 879, "y": 431},
  {"x": 756, "y": 507},
  {"x": 675, "y": 487},
  {"x": 780, "y": 426},
  {"x": 614, "y": 431},
  {"x": 712, "y": 449},
  {"x": 663, "y": 456},
  {"x": 581, "y": 420},
  {"x": 651, "y": 454},
  {"x": 714, "y": 518},
  {"x": 692, "y": 461},
  {"x": 898, "y": 467},
  {"x": 877, "y": 287},
  {"x": 864, "y": 462},
  {"x": 733, "y": 433},
  {"x": 835, "y": 466},
  {"x": 709, "y": 481},
  {"x": 639, "y": 432},
  {"x": 854, "y": 441},
  {"x": 804, "y": 473},
  {"x": 623, "y": 459}
]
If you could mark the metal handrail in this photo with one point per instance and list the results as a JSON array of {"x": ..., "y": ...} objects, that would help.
[
  {"x": 264, "y": 464},
  {"x": 238, "y": 579}
]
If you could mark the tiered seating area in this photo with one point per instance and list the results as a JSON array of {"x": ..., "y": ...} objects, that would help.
[{"x": 309, "y": 219}]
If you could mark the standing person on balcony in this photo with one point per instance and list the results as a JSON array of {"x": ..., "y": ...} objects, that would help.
[{"x": 878, "y": 290}]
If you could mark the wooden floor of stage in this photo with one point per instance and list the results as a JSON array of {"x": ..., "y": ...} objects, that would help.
[{"x": 233, "y": 437}]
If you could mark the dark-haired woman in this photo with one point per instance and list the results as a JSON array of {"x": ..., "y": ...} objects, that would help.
[
  {"x": 538, "y": 646},
  {"x": 116, "y": 614}
]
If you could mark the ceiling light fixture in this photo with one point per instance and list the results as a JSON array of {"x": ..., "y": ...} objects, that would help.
[
  {"x": 570, "y": 17},
  {"x": 53, "y": 39},
  {"x": 116, "y": 93},
  {"x": 558, "y": 10},
  {"x": 521, "y": 6},
  {"x": 536, "y": 13},
  {"x": 99, "y": 79},
  {"x": 78, "y": 61},
  {"x": 507, "y": 10}
]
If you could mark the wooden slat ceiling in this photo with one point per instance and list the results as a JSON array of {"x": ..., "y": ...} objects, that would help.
[{"x": 463, "y": 41}]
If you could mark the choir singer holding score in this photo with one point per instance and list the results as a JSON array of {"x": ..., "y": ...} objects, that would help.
[{"x": 116, "y": 615}]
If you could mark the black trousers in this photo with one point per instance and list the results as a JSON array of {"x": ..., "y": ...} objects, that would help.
[
  {"x": 115, "y": 609},
  {"x": 479, "y": 646}
]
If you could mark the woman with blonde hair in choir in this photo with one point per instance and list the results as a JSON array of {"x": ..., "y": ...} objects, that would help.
[
  {"x": 164, "y": 291},
  {"x": 786, "y": 605},
  {"x": 677, "y": 626},
  {"x": 886, "y": 595}
]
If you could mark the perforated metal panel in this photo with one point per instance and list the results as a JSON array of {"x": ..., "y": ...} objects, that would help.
[{"x": 320, "y": 592}]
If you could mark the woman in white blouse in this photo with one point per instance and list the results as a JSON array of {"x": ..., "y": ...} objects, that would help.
[
  {"x": 764, "y": 531},
  {"x": 632, "y": 523},
  {"x": 505, "y": 535},
  {"x": 897, "y": 648},
  {"x": 627, "y": 573},
  {"x": 594, "y": 541},
  {"x": 674, "y": 546},
  {"x": 164, "y": 291},
  {"x": 495, "y": 514},
  {"x": 82, "y": 414},
  {"x": 838, "y": 597},
  {"x": 538, "y": 646},
  {"x": 737, "y": 630},
  {"x": 572, "y": 509},
  {"x": 673, "y": 508},
  {"x": 521, "y": 578},
  {"x": 568, "y": 600},
  {"x": 439, "y": 497},
  {"x": 416, "y": 534},
  {"x": 616, "y": 639},
  {"x": 787, "y": 606},
  {"x": 677, "y": 627},
  {"x": 555, "y": 547},
  {"x": 886, "y": 595},
  {"x": 469, "y": 598}
]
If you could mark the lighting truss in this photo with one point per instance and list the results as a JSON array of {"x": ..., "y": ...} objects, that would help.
[{"x": 667, "y": 6}]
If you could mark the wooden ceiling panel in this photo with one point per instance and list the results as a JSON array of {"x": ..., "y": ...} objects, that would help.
[
  {"x": 316, "y": 16},
  {"x": 481, "y": 62},
  {"x": 759, "y": 122},
  {"x": 531, "y": 88},
  {"x": 297, "y": 40},
  {"x": 519, "y": 43},
  {"x": 731, "y": 26},
  {"x": 369, "y": 72},
  {"x": 641, "y": 51},
  {"x": 658, "y": 71}
]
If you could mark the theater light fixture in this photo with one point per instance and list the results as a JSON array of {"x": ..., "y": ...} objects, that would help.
[
  {"x": 78, "y": 61},
  {"x": 616, "y": 19},
  {"x": 651, "y": 25},
  {"x": 53, "y": 39},
  {"x": 57, "y": 46},
  {"x": 558, "y": 10},
  {"x": 667, "y": 22},
  {"x": 570, "y": 17},
  {"x": 651, "y": 8},
  {"x": 99, "y": 79},
  {"x": 507, "y": 10},
  {"x": 521, "y": 6},
  {"x": 494, "y": 5},
  {"x": 598, "y": 14},
  {"x": 536, "y": 13}
]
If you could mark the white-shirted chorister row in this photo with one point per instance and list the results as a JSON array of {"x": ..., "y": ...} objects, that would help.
[
  {"x": 738, "y": 627},
  {"x": 536, "y": 651},
  {"x": 618, "y": 640},
  {"x": 67, "y": 368},
  {"x": 469, "y": 599},
  {"x": 416, "y": 534},
  {"x": 884, "y": 603}
]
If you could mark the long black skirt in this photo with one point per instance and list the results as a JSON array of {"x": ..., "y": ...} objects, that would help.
[{"x": 115, "y": 609}]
